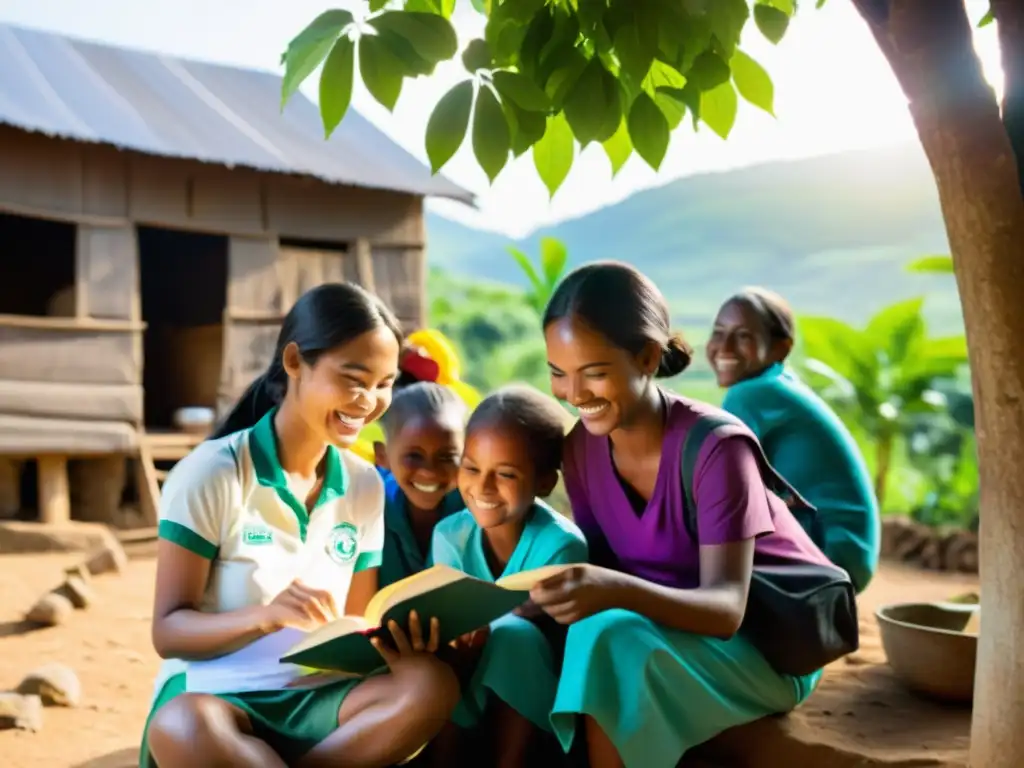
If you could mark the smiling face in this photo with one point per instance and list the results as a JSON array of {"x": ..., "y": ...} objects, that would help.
[
  {"x": 347, "y": 388},
  {"x": 740, "y": 347},
  {"x": 497, "y": 477},
  {"x": 605, "y": 383},
  {"x": 423, "y": 455}
]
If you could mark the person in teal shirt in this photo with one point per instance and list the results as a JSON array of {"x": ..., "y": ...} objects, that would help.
[
  {"x": 512, "y": 457},
  {"x": 802, "y": 437},
  {"x": 419, "y": 461}
]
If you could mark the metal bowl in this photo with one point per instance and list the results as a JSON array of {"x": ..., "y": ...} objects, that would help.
[{"x": 928, "y": 649}]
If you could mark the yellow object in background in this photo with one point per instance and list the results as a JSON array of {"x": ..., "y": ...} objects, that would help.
[{"x": 438, "y": 348}]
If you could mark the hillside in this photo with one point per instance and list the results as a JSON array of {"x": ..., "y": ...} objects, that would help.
[{"x": 832, "y": 234}]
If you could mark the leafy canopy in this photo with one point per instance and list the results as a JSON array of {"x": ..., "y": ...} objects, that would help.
[{"x": 549, "y": 75}]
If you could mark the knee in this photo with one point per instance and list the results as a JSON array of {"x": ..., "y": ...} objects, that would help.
[
  {"x": 604, "y": 628},
  {"x": 430, "y": 687},
  {"x": 187, "y": 724}
]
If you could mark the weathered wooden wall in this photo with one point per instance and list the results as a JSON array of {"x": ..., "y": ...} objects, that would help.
[{"x": 98, "y": 351}]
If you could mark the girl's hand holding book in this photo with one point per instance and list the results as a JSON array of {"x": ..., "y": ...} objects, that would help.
[
  {"x": 300, "y": 607},
  {"x": 406, "y": 646}
]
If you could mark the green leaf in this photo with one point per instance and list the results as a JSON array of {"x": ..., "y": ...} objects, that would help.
[
  {"x": 430, "y": 35},
  {"x": 753, "y": 82},
  {"x": 477, "y": 56},
  {"x": 618, "y": 148},
  {"x": 670, "y": 102},
  {"x": 648, "y": 130},
  {"x": 840, "y": 346},
  {"x": 381, "y": 70},
  {"x": 987, "y": 19},
  {"x": 589, "y": 103},
  {"x": 522, "y": 91},
  {"x": 411, "y": 62},
  {"x": 482, "y": 6},
  {"x": 898, "y": 329},
  {"x": 377, "y": 5},
  {"x": 718, "y": 109},
  {"x": 447, "y": 126},
  {"x": 336, "y": 84},
  {"x": 940, "y": 264},
  {"x": 635, "y": 58},
  {"x": 553, "y": 154},
  {"x": 727, "y": 19},
  {"x": 772, "y": 22},
  {"x": 788, "y": 7},
  {"x": 526, "y": 128},
  {"x": 491, "y": 139},
  {"x": 709, "y": 71},
  {"x": 564, "y": 77},
  {"x": 527, "y": 266},
  {"x": 553, "y": 256},
  {"x": 307, "y": 49},
  {"x": 441, "y": 7}
]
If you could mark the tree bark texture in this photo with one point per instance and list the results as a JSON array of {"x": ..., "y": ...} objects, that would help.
[
  {"x": 928, "y": 44},
  {"x": 1010, "y": 24}
]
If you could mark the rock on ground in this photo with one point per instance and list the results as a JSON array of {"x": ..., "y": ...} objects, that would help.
[
  {"x": 56, "y": 684},
  {"x": 24, "y": 713},
  {"x": 50, "y": 610}
]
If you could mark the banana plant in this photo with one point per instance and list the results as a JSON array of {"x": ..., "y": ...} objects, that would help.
[
  {"x": 880, "y": 377},
  {"x": 545, "y": 276}
]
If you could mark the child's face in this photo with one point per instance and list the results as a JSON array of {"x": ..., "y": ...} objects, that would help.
[
  {"x": 497, "y": 477},
  {"x": 424, "y": 457}
]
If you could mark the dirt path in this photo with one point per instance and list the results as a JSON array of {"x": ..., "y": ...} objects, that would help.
[{"x": 109, "y": 646}]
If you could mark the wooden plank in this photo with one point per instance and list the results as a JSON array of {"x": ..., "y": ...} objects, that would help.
[
  {"x": 25, "y": 436},
  {"x": 255, "y": 275},
  {"x": 74, "y": 324},
  {"x": 396, "y": 280},
  {"x": 312, "y": 210},
  {"x": 54, "y": 493},
  {"x": 170, "y": 446},
  {"x": 107, "y": 272},
  {"x": 104, "y": 181},
  {"x": 364, "y": 264},
  {"x": 147, "y": 484},
  {"x": 227, "y": 200},
  {"x": 48, "y": 399},
  {"x": 134, "y": 535},
  {"x": 68, "y": 356},
  {"x": 40, "y": 173},
  {"x": 316, "y": 267},
  {"x": 248, "y": 350}
]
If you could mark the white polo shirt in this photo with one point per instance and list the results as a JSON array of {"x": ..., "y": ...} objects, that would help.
[{"x": 229, "y": 501}]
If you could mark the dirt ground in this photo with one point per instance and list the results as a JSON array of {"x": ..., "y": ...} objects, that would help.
[{"x": 108, "y": 645}]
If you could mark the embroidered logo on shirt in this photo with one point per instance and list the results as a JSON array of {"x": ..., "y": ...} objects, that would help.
[
  {"x": 342, "y": 543},
  {"x": 257, "y": 535}
]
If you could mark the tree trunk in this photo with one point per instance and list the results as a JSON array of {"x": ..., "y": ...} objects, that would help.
[
  {"x": 928, "y": 44},
  {"x": 1010, "y": 23}
]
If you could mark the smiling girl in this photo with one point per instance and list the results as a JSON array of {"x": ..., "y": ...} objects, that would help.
[
  {"x": 802, "y": 437},
  {"x": 654, "y": 664},
  {"x": 424, "y": 430},
  {"x": 512, "y": 456},
  {"x": 272, "y": 524}
]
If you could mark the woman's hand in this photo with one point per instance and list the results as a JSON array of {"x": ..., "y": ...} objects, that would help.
[
  {"x": 301, "y": 607},
  {"x": 578, "y": 592},
  {"x": 472, "y": 642},
  {"x": 529, "y": 610},
  {"x": 408, "y": 647}
]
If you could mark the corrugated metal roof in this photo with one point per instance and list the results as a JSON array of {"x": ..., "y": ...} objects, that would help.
[{"x": 161, "y": 105}]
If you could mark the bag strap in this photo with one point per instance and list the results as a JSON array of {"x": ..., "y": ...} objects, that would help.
[{"x": 703, "y": 426}]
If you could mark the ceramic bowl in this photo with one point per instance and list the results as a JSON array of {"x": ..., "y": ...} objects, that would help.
[
  {"x": 928, "y": 650},
  {"x": 194, "y": 419}
]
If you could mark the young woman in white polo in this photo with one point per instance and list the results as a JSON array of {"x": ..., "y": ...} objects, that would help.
[{"x": 272, "y": 524}]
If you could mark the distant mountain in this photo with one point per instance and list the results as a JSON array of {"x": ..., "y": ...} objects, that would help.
[{"x": 833, "y": 234}]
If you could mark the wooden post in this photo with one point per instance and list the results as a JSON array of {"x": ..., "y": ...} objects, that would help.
[
  {"x": 364, "y": 264},
  {"x": 54, "y": 496}
]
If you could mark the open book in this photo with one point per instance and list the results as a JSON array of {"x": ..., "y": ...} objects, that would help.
[{"x": 460, "y": 602}]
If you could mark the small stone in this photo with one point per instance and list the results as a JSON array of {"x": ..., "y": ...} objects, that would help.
[
  {"x": 110, "y": 559},
  {"x": 77, "y": 591},
  {"x": 51, "y": 610},
  {"x": 24, "y": 713},
  {"x": 56, "y": 684},
  {"x": 80, "y": 571}
]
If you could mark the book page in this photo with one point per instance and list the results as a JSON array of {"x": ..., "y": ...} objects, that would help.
[
  {"x": 344, "y": 625},
  {"x": 256, "y": 667},
  {"x": 525, "y": 580},
  {"x": 412, "y": 586}
]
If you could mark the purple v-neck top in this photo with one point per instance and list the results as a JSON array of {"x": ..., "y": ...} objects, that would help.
[{"x": 732, "y": 504}]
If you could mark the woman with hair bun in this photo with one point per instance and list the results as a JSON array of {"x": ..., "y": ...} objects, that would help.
[{"x": 653, "y": 661}]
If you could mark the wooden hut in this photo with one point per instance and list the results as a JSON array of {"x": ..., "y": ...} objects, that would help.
[{"x": 157, "y": 219}]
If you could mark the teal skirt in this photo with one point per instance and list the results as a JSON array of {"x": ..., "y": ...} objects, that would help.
[
  {"x": 658, "y": 692},
  {"x": 518, "y": 667},
  {"x": 291, "y": 722}
]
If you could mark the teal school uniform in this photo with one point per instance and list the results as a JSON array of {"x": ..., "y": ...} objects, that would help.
[
  {"x": 809, "y": 446},
  {"x": 517, "y": 664},
  {"x": 402, "y": 554}
]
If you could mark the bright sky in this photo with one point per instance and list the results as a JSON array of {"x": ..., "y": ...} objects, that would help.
[{"x": 833, "y": 91}]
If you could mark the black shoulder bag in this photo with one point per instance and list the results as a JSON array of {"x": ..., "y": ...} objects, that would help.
[{"x": 800, "y": 616}]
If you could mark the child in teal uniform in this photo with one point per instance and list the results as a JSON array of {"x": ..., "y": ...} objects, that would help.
[
  {"x": 419, "y": 462},
  {"x": 801, "y": 436},
  {"x": 512, "y": 456}
]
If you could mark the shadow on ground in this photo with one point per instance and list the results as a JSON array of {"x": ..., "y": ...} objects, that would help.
[{"x": 123, "y": 758}]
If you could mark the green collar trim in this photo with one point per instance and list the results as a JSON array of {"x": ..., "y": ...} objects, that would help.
[{"x": 267, "y": 465}]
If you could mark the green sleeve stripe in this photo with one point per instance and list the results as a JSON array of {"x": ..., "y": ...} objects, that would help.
[
  {"x": 368, "y": 560},
  {"x": 187, "y": 538}
]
